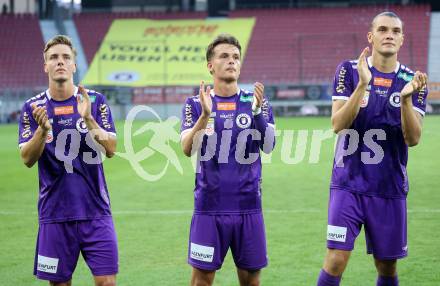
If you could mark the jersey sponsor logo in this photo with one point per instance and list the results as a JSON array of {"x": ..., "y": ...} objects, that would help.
[
  {"x": 406, "y": 77},
  {"x": 336, "y": 233},
  {"x": 201, "y": 252},
  {"x": 81, "y": 125},
  {"x": 226, "y": 106},
  {"x": 103, "y": 108},
  {"x": 340, "y": 88},
  {"x": 395, "y": 99},
  {"x": 246, "y": 98},
  {"x": 209, "y": 130},
  {"x": 188, "y": 116},
  {"x": 226, "y": 115},
  {"x": 65, "y": 122},
  {"x": 49, "y": 137},
  {"x": 421, "y": 95},
  {"x": 380, "y": 81},
  {"x": 63, "y": 110},
  {"x": 243, "y": 120},
  {"x": 364, "y": 101},
  {"x": 47, "y": 264},
  {"x": 381, "y": 92},
  {"x": 26, "y": 133},
  {"x": 92, "y": 98},
  {"x": 265, "y": 109}
]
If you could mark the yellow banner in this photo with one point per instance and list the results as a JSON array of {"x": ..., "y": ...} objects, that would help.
[{"x": 142, "y": 52}]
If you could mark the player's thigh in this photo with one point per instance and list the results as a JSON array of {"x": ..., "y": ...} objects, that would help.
[
  {"x": 99, "y": 246},
  {"x": 248, "y": 244},
  {"x": 201, "y": 277},
  {"x": 248, "y": 277},
  {"x": 209, "y": 241},
  {"x": 345, "y": 219},
  {"x": 57, "y": 252},
  {"x": 386, "y": 228}
]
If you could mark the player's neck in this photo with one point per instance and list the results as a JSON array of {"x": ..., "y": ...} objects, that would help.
[
  {"x": 225, "y": 89},
  {"x": 384, "y": 64},
  {"x": 61, "y": 91}
]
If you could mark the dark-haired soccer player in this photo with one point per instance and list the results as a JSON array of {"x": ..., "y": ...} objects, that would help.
[
  {"x": 65, "y": 129},
  {"x": 382, "y": 103},
  {"x": 232, "y": 126}
]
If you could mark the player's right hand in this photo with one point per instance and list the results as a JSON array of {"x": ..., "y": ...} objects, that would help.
[
  {"x": 205, "y": 99},
  {"x": 362, "y": 67},
  {"x": 40, "y": 115}
]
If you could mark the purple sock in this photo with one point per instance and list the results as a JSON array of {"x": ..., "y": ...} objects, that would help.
[
  {"x": 387, "y": 281},
  {"x": 326, "y": 279}
]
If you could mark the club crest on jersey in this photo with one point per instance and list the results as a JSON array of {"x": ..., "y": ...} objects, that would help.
[
  {"x": 243, "y": 120},
  {"x": 395, "y": 99},
  {"x": 81, "y": 126}
]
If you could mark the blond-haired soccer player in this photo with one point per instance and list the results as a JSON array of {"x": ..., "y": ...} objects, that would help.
[{"x": 65, "y": 129}]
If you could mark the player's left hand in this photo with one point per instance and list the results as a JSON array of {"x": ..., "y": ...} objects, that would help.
[
  {"x": 84, "y": 103},
  {"x": 418, "y": 82},
  {"x": 258, "y": 95}
]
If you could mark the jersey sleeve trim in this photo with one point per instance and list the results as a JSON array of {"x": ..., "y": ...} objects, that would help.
[
  {"x": 419, "y": 110},
  {"x": 22, "y": 144},
  {"x": 184, "y": 132},
  {"x": 340, "y": 97}
]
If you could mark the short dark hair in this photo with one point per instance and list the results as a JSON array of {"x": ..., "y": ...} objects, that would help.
[
  {"x": 59, "y": 40},
  {"x": 387, "y": 14},
  {"x": 221, "y": 39}
]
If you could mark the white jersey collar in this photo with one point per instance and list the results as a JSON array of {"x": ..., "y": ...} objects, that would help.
[
  {"x": 50, "y": 97},
  {"x": 370, "y": 64},
  {"x": 238, "y": 91}
]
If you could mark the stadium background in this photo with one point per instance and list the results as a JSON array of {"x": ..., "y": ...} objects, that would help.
[{"x": 293, "y": 48}]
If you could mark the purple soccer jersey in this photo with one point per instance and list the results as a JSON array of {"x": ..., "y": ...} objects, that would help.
[
  {"x": 71, "y": 175},
  {"x": 380, "y": 115},
  {"x": 229, "y": 179}
]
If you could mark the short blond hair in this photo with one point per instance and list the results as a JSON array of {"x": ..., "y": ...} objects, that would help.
[{"x": 59, "y": 40}]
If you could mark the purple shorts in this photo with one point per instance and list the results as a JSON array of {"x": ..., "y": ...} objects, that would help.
[
  {"x": 384, "y": 222},
  {"x": 59, "y": 246},
  {"x": 212, "y": 235}
]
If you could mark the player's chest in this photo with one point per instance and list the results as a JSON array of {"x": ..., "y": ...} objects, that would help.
[
  {"x": 381, "y": 102},
  {"x": 230, "y": 115},
  {"x": 67, "y": 123}
]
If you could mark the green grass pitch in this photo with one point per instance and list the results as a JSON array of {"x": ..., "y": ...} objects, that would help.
[{"x": 152, "y": 218}]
